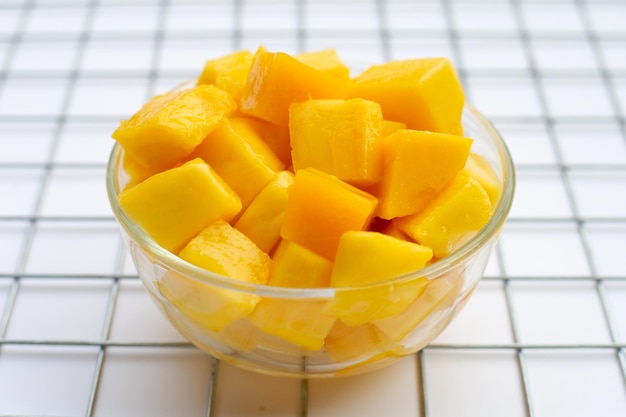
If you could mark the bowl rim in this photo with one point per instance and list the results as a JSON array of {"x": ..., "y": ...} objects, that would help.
[{"x": 166, "y": 259}]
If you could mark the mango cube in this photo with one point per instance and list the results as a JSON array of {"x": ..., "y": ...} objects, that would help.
[
  {"x": 340, "y": 137},
  {"x": 246, "y": 164},
  {"x": 452, "y": 218},
  {"x": 478, "y": 167},
  {"x": 175, "y": 205},
  {"x": 344, "y": 343},
  {"x": 297, "y": 267},
  {"x": 321, "y": 208},
  {"x": 222, "y": 249},
  {"x": 168, "y": 128},
  {"x": 416, "y": 167},
  {"x": 365, "y": 257},
  {"x": 389, "y": 127},
  {"x": 228, "y": 72},
  {"x": 297, "y": 321},
  {"x": 263, "y": 218},
  {"x": 276, "y": 137},
  {"x": 276, "y": 80},
  {"x": 424, "y": 93},
  {"x": 325, "y": 60}
]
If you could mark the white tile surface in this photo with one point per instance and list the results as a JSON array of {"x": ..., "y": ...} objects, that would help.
[
  {"x": 12, "y": 236},
  {"x": 540, "y": 194}
]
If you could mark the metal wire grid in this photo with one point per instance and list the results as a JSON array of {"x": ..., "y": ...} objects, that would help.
[{"x": 546, "y": 119}]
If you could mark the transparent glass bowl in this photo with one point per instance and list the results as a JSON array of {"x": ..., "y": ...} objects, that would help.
[{"x": 201, "y": 304}]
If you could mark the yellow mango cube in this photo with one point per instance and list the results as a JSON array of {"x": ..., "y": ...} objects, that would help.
[
  {"x": 365, "y": 257},
  {"x": 438, "y": 294},
  {"x": 389, "y": 127},
  {"x": 172, "y": 214},
  {"x": 325, "y": 60},
  {"x": 424, "y": 93},
  {"x": 452, "y": 218},
  {"x": 320, "y": 208},
  {"x": 245, "y": 164},
  {"x": 168, "y": 127},
  {"x": 275, "y": 136},
  {"x": 228, "y": 72},
  {"x": 339, "y": 137},
  {"x": 300, "y": 322},
  {"x": 416, "y": 167},
  {"x": 297, "y": 267},
  {"x": 479, "y": 168},
  {"x": 345, "y": 343},
  {"x": 263, "y": 218}
]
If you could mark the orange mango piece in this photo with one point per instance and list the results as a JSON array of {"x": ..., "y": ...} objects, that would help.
[
  {"x": 340, "y": 137},
  {"x": 321, "y": 208},
  {"x": 168, "y": 127},
  {"x": 424, "y": 93},
  {"x": 246, "y": 164},
  {"x": 325, "y": 60},
  {"x": 228, "y": 72},
  {"x": 175, "y": 205},
  {"x": 297, "y": 267},
  {"x": 452, "y": 218},
  {"x": 276, "y": 80},
  {"x": 479, "y": 168},
  {"x": 263, "y": 218},
  {"x": 416, "y": 166},
  {"x": 365, "y": 257}
]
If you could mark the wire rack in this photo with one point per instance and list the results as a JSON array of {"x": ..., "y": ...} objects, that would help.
[{"x": 545, "y": 333}]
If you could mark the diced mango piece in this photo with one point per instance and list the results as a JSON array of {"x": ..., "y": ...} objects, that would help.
[
  {"x": 325, "y": 60},
  {"x": 297, "y": 321},
  {"x": 276, "y": 137},
  {"x": 276, "y": 80},
  {"x": 479, "y": 168},
  {"x": 389, "y": 127},
  {"x": 424, "y": 93},
  {"x": 416, "y": 166},
  {"x": 228, "y": 72},
  {"x": 222, "y": 249},
  {"x": 263, "y": 218},
  {"x": 168, "y": 128},
  {"x": 246, "y": 165},
  {"x": 365, "y": 257},
  {"x": 321, "y": 208},
  {"x": 297, "y": 267},
  {"x": 344, "y": 343},
  {"x": 135, "y": 171},
  {"x": 438, "y": 293},
  {"x": 340, "y": 137},
  {"x": 208, "y": 306},
  {"x": 452, "y": 218},
  {"x": 175, "y": 205}
]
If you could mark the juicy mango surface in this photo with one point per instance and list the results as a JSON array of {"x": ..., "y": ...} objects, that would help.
[{"x": 283, "y": 171}]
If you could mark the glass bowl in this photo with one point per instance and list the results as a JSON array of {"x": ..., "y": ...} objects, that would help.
[{"x": 276, "y": 330}]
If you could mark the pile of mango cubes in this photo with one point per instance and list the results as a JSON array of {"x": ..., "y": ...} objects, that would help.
[{"x": 285, "y": 170}]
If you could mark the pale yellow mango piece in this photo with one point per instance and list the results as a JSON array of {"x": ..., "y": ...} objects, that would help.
[
  {"x": 339, "y": 137},
  {"x": 246, "y": 166},
  {"x": 228, "y": 72},
  {"x": 479, "y": 168},
  {"x": 301, "y": 322},
  {"x": 297, "y": 267},
  {"x": 168, "y": 127},
  {"x": 325, "y": 60},
  {"x": 175, "y": 205},
  {"x": 365, "y": 257},
  {"x": 452, "y": 218},
  {"x": 344, "y": 343},
  {"x": 263, "y": 218}
]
